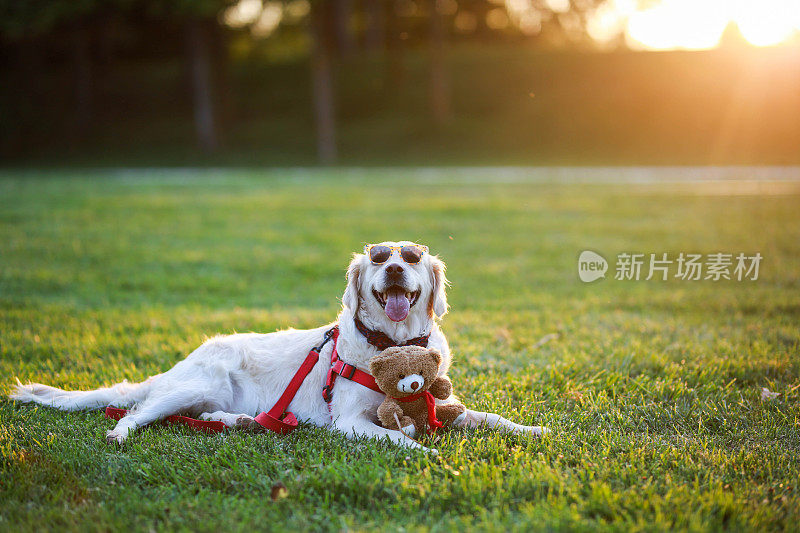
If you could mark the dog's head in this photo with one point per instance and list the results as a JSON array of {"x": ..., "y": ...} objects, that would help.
[{"x": 394, "y": 290}]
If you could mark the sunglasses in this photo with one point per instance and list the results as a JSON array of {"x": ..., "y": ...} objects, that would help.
[{"x": 410, "y": 253}]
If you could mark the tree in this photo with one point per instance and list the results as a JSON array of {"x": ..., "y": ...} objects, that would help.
[
  {"x": 27, "y": 22},
  {"x": 375, "y": 35},
  {"x": 439, "y": 88},
  {"x": 394, "y": 48},
  {"x": 199, "y": 19},
  {"x": 322, "y": 82},
  {"x": 342, "y": 21},
  {"x": 199, "y": 57}
]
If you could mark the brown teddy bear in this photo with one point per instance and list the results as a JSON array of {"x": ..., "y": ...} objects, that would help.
[{"x": 407, "y": 375}]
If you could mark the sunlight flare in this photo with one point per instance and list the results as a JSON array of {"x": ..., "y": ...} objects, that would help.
[
  {"x": 767, "y": 22},
  {"x": 682, "y": 24},
  {"x": 694, "y": 24}
]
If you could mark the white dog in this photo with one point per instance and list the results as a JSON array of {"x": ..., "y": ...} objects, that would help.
[{"x": 394, "y": 289}]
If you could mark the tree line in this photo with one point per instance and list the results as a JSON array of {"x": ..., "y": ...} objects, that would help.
[{"x": 91, "y": 35}]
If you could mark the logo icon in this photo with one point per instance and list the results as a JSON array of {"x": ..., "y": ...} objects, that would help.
[{"x": 591, "y": 266}]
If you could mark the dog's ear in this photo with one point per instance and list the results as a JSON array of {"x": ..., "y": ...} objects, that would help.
[
  {"x": 437, "y": 305},
  {"x": 352, "y": 293}
]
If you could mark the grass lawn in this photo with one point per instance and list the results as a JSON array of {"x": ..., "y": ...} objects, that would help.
[{"x": 652, "y": 388}]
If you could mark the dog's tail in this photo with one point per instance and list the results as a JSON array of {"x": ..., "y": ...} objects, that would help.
[{"x": 122, "y": 395}]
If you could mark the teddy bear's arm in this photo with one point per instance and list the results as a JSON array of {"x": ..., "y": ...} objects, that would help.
[
  {"x": 386, "y": 412},
  {"x": 441, "y": 388}
]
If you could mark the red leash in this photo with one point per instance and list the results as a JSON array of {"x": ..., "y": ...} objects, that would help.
[{"x": 209, "y": 426}]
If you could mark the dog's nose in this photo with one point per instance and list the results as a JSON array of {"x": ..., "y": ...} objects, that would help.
[
  {"x": 394, "y": 270},
  {"x": 414, "y": 385}
]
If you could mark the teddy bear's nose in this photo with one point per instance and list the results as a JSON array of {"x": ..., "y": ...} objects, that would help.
[{"x": 414, "y": 385}]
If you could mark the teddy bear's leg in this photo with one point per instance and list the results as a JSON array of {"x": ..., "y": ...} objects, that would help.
[
  {"x": 420, "y": 423},
  {"x": 389, "y": 413},
  {"x": 449, "y": 413}
]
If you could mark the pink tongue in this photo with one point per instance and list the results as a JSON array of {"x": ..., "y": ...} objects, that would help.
[{"x": 397, "y": 306}]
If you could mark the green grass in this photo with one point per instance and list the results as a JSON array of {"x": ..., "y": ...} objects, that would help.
[{"x": 652, "y": 388}]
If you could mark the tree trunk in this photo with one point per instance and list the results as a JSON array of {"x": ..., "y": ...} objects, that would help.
[
  {"x": 376, "y": 24},
  {"x": 21, "y": 131},
  {"x": 342, "y": 17},
  {"x": 220, "y": 66},
  {"x": 198, "y": 45},
  {"x": 82, "y": 72},
  {"x": 394, "y": 49},
  {"x": 322, "y": 86},
  {"x": 106, "y": 46},
  {"x": 439, "y": 90}
]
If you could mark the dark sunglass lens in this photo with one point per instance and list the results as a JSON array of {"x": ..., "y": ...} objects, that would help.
[
  {"x": 379, "y": 254},
  {"x": 411, "y": 254}
]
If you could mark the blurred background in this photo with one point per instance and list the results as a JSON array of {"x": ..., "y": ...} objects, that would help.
[{"x": 399, "y": 82}]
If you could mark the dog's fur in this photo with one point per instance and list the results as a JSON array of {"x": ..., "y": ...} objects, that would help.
[{"x": 232, "y": 378}]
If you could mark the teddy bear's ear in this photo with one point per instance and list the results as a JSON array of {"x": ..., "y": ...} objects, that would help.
[
  {"x": 378, "y": 363},
  {"x": 436, "y": 356},
  {"x": 375, "y": 365}
]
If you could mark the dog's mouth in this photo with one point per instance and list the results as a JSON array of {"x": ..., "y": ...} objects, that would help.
[{"x": 396, "y": 301}]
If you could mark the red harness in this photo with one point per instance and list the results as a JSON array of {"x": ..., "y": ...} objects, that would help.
[
  {"x": 347, "y": 371},
  {"x": 278, "y": 419}
]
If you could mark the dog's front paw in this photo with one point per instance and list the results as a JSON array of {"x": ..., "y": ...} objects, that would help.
[
  {"x": 535, "y": 431},
  {"x": 231, "y": 420},
  {"x": 115, "y": 438},
  {"x": 245, "y": 421},
  {"x": 414, "y": 445}
]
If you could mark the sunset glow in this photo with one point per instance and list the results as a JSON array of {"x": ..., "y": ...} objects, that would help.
[
  {"x": 700, "y": 24},
  {"x": 767, "y": 22},
  {"x": 643, "y": 24}
]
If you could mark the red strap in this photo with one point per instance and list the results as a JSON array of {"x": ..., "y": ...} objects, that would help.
[
  {"x": 210, "y": 426},
  {"x": 291, "y": 390},
  {"x": 354, "y": 374},
  {"x": 433, "y": 422},
  {"x": 347, "y": 371},
  {"x": 278, "y": 419}
]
